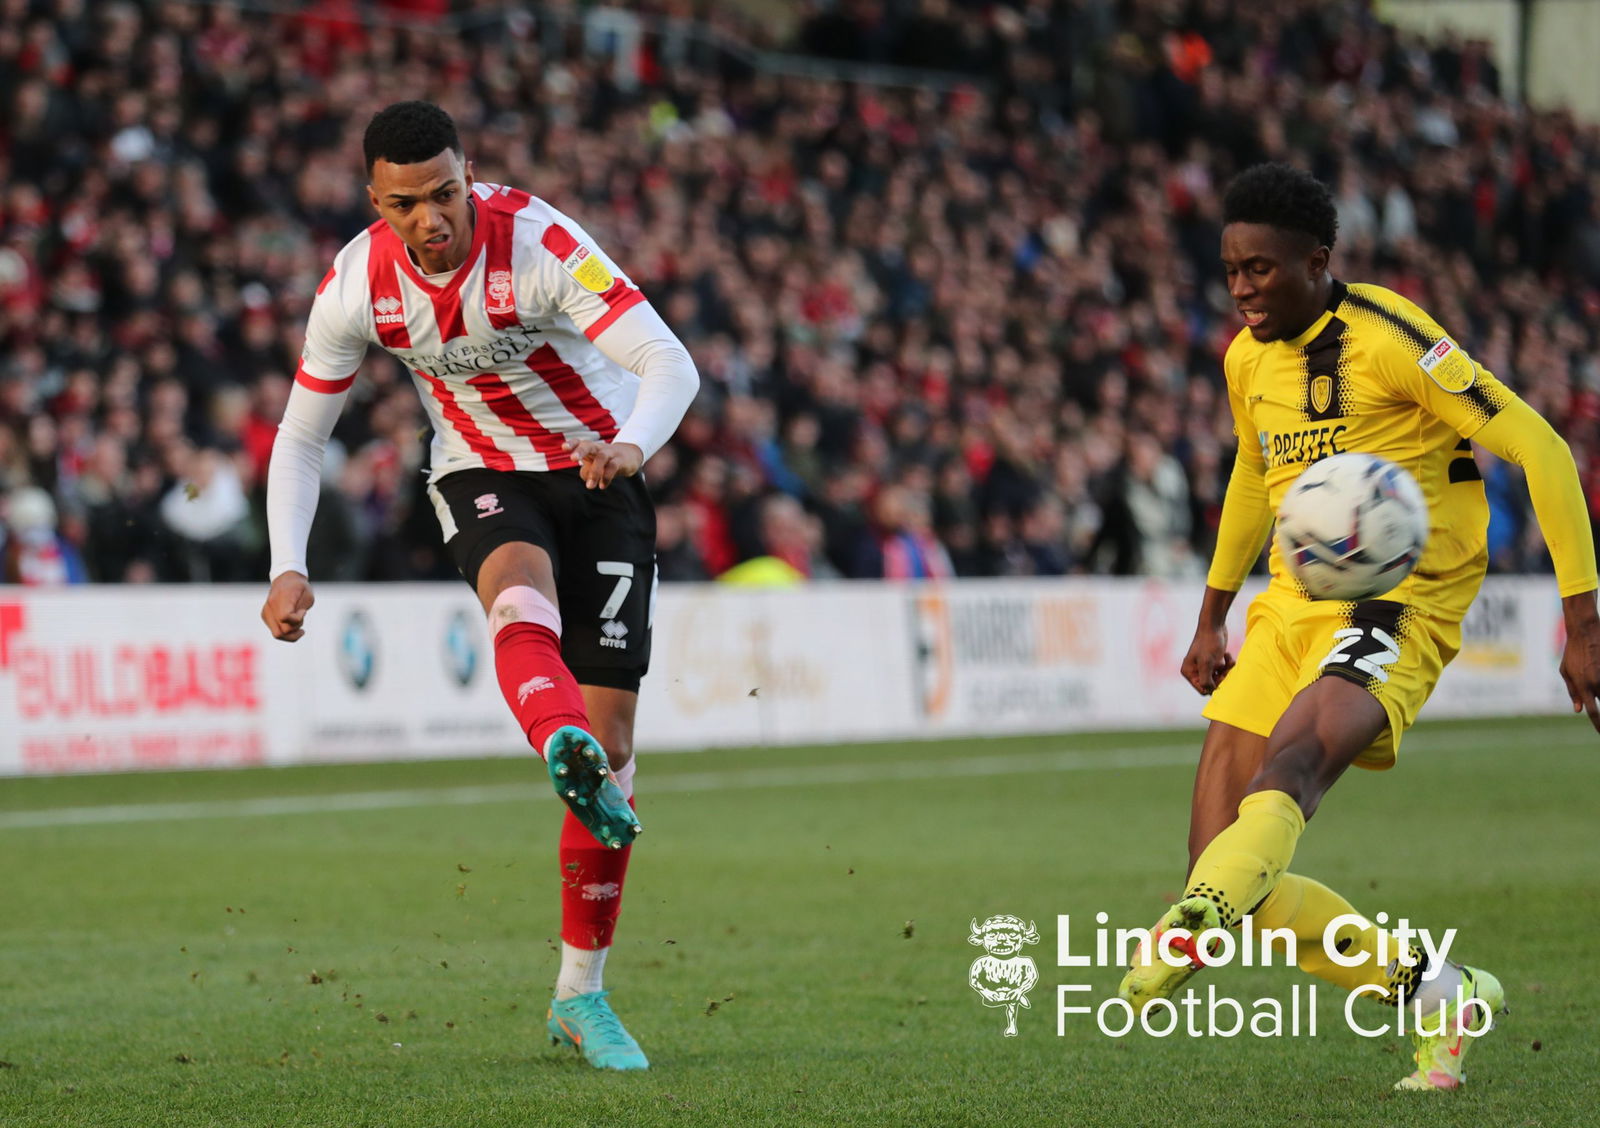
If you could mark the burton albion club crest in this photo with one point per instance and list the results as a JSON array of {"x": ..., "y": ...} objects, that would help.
[
  {"x": 1001, "y": 975},
  {"x": 1321, "y": 392}
]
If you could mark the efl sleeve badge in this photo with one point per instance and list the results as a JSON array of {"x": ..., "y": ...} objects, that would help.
[
  {"x": 1448, "y": 365},
  {"x": 587, "y": 269}
]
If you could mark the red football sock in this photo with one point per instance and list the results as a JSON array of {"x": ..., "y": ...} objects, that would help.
[
  {"x": 591, "y": 886},
  {"x": 527, "y": 657}
]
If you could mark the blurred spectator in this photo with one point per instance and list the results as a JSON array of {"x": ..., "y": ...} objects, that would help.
[
  {"x": 791, "y": 548},
  {"x": 906, "y": 547},
  {"x": 971, "y": 325},
  {"x": 706, "y": 499},
  {"x": 677, "y": 559},
  {"x": 31, "y": 550},
  {"x": 1156, "y": 496},
  {"x": 206, "y": 509}
]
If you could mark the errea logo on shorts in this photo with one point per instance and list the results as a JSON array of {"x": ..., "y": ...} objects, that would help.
[
  {"x": 388, "y": 311},
  {"x": 488, "y": 505},
  {"x": 614, "y": 634}
]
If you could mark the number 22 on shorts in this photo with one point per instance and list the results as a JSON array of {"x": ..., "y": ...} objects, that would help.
[{"x": 1380, "y": 650}]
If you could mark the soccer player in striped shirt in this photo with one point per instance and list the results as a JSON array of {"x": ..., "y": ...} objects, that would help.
[{"x": 549, "y": 380}]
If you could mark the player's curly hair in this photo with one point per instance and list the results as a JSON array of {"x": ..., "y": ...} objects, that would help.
[
  {"x": 1282, "y": 196},
  {"x": 409, "y": 132}
]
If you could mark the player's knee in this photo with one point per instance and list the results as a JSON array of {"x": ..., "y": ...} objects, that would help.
[
  {"x": 515, "y": 565},
  {"x": 617, "y": 739},
  {"x": 522, "y": 604}
]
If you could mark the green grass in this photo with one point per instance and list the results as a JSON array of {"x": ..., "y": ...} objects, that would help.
[{"x": 791, "y": 952}]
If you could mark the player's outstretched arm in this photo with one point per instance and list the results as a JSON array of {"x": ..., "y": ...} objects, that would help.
[
  {"x": 1521, "y": 435},
  {"x": 1524, "y": 437},
  {"x": 288, "y": 600},
  {"x": 1580, "y": 661}
]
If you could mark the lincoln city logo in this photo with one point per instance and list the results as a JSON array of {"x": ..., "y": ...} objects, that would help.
[
  {"x": 499, "y": 287},
  {"x": 1002, "y": 976}
]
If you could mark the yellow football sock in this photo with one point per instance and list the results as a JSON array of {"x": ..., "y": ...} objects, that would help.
[
  {"x": 1306, "y": 908},
  {"x": 1244, "y": 862}
]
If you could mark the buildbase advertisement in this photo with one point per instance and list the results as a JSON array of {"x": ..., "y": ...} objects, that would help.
[{"x": 114, "y": 679}]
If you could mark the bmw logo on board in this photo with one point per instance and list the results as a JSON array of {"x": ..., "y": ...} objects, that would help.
[
  {"x": 358, "y": 649},
  {"x": 460, "y": 650}
]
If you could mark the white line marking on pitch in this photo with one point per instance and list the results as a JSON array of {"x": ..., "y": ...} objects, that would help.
[
  {"x": 866, "y": 771},
  {"x": 1157, "y": 756}
]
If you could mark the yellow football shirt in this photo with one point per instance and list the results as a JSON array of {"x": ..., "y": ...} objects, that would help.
[{"x": 1373, "y": 373}]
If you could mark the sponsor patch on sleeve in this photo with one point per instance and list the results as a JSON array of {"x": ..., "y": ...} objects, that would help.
[
  {"x": 585, "y": 266},
  {"x": 1448, "y": 366}
]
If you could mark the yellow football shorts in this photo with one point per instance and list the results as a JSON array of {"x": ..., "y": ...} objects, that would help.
[{"x": 1396, "y": 651}]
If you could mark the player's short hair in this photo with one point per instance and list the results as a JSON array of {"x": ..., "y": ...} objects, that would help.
[
  {"x": 409, "y": 132},
  {"x": 1282, "y": 196}
]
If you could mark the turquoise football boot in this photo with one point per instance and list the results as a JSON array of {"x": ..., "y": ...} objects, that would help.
[
  {"x": 589, "y": 1023},
  {"x": 582, "y": 776}
]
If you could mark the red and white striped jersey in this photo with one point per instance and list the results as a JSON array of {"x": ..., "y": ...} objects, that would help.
[{"x": 503, "y": 351}]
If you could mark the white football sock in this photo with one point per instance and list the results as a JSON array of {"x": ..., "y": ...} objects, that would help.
[
  {"x": 1441, "y": 988},
  {"x": 624, "y": 776},
  {"x": 582, "y": 971}
]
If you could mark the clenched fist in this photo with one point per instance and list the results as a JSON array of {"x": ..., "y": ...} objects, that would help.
[{"x": 287, "y": 603}]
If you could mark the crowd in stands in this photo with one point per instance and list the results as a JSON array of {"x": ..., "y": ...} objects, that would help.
[{"x": 968, "y": 327}]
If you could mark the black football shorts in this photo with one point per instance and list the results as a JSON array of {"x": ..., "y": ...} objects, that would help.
[{"x": 602, "y": 543}]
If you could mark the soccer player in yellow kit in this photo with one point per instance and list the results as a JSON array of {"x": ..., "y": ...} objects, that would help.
[{"x": 1322, "y": 367}]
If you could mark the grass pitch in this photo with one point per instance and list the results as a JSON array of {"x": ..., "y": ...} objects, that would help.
[{"x": 374, "y": 945}]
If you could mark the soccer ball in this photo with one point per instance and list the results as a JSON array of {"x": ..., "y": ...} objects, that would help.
[{"x": 1351, "y": 527}]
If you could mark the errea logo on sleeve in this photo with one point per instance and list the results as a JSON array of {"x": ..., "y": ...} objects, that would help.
[{"x": 1448, "y": 366}]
